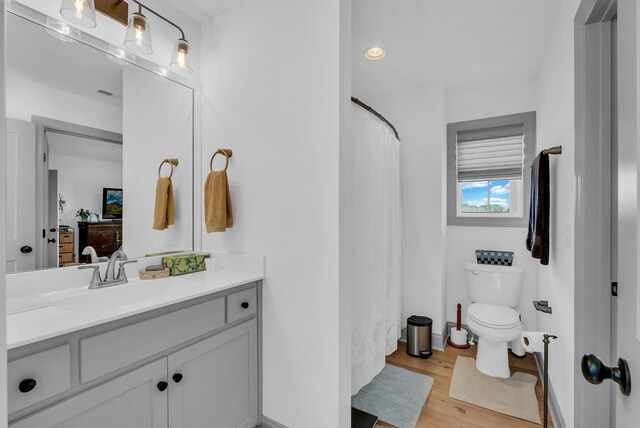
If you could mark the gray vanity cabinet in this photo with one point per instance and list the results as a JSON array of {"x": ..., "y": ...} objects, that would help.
[
  {"x": 129, "y": 401},
  {"x": 195, "y": 365},
  {"x": 214, "y": 382}
]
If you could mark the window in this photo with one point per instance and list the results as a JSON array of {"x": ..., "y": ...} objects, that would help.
[{"x": 488, "y": 170}]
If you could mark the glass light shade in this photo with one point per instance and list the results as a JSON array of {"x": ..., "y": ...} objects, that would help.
[
  {"x": 62, "y": 31},
  {"x": 138, "y": 38},
  {"x": 180, "y": 57},
  {"x": 79, "y": 12}
]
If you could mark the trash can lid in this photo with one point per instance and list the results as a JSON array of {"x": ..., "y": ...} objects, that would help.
[{"x": 419, "y": 321}]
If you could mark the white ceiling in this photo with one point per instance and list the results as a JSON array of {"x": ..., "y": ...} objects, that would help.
[
  {"x": 33, "y": 54},
  {"x": 203, "y": 10},
  {"x": 463, "y": 44}
]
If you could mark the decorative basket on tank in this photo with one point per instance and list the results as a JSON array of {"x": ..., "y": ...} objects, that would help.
[
  {"x": 185, "y": 263},
  {"x": 493, "y": 257}
]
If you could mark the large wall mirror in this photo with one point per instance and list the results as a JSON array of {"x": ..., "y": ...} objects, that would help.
[{"x": 86, "y": 134}]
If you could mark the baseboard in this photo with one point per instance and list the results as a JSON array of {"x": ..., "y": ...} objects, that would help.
[
  {"x": 437, "y": 340},
  {"x": 554, "y": 408},
  {"x": 270, "y": 423}
]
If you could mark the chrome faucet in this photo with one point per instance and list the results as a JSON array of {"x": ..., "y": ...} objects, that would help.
[{"x": 109, "y": 276}]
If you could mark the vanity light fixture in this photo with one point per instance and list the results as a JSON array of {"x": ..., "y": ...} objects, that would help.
[
  {"x": 79, "y": 12},
  {"x": 138, "y": 38},
  {"x": 375, "y": 53},
  {"x": 138, "y": 34}
]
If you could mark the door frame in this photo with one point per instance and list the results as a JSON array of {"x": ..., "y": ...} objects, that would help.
[
  {"x": 592, "y": 310},
  {"x": 44, "y": 125}
]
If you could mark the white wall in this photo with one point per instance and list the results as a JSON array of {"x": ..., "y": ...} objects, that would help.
[
  {"x": 462, "y": 241},
  {"x": 158, "y": 124},
  {"x": 26, "y": 99},
  {"x": 163, "y": 35},
  {"x": 80, "y": 182},
  {"x": 271, "y": 93},
  {"x": 555, "y": 90},
  {"x": 418, "y": 115}
]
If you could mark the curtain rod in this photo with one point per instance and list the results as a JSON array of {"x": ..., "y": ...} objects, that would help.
[{"x": 376, "y": 114}]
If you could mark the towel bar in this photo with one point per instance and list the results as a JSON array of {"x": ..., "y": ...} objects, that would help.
[
  {"x": 557, "y": 150},
  {"x": 172, "y": 162}
]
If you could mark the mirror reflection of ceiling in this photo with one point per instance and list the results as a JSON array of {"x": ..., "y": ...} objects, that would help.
[
  {"x": 84, "y": 148},
  {"x": 35, "y": 55}
]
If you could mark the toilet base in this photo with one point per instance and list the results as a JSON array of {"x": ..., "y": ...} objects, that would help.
[{"x": 492, "y": 358}]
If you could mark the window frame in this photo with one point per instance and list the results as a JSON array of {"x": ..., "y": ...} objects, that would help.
[
  {"x": 516, "y": 208},
  {"x": 454, "y": 215}
]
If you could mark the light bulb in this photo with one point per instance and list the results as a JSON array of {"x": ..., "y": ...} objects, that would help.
[
  {"x": 180, "y": 57},
  {"x": 79, "y": 5},
  {"x": 79, "y": 12},
  {"x": 138, "y": 38}
]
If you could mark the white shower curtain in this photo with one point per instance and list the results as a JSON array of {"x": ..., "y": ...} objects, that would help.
[{"x": 374, "y": 175}]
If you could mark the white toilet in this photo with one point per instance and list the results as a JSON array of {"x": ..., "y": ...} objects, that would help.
[{"x": 494, "y": 292}]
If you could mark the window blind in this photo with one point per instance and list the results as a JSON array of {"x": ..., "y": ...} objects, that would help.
[{"x": 490, "y": 158}]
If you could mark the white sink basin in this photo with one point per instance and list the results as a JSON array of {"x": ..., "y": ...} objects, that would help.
[{"x": 120, "y": 297}]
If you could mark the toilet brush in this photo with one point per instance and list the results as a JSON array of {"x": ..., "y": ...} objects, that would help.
[{"x": 458, "y": 336}]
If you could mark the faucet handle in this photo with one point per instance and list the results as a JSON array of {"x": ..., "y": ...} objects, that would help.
[
  {"x": 122, "y": 275},
  {"x": 96, "y": 280}
]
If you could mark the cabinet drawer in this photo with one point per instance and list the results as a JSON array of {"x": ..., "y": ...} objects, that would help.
[
  {"x": 66, "y": 257},
  {"x": 49, "y": 372},
  {"x": 66, "y": 237},
  {"x": 241, "y": 304},
  {"x": 116, "y": 349},
  {"x": 66, "y": 248}
]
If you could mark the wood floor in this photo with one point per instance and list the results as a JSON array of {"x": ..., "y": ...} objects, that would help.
[{"x": 442, "y": 411}]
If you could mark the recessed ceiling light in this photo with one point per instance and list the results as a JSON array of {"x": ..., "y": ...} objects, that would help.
[{"x": 374, "y": 53}]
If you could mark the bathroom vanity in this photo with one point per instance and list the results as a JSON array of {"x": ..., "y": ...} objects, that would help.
[{"x": 176, "y": 352}]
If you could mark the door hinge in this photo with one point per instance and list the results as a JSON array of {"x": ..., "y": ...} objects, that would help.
[
  {"x": 44, "y": 233},
  {"x": 44, "y": 157},
  {"x": 614, "y": 289}
]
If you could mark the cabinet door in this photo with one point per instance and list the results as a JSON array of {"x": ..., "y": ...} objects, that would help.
[
  {"x": 218, "y": 386},
  {"x": 132, "y": 400}
]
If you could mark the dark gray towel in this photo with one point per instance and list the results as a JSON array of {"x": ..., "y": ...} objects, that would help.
[{"x": 538, "y": 234}]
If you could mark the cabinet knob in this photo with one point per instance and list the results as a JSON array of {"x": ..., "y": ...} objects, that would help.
[
  {"x": 244, "y": 305},
  {"x": 162, "y": 385},
  {"x": 26, "y": 385},
  {"x": 177, "y": 377}
]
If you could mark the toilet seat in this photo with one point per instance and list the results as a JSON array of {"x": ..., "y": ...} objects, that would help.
[{"x": 493, "y": 316}]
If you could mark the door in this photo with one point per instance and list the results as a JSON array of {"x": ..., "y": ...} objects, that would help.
[
  {"x": 214, "y": 383},
  {"x": 21, "y": 199},
  {"x": 52, "y": 244},
  {"x": 627, "y": 408},
  {"x": 134, "y": 400}
]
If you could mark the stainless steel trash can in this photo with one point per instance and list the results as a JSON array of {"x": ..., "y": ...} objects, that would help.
[{"x": 419, "y": 336}]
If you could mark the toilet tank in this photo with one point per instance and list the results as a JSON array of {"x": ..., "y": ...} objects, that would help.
[{"x": 498, "y": 285}]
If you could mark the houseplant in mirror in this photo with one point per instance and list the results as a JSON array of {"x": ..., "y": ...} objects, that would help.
[{"x": 83, "y": 214}]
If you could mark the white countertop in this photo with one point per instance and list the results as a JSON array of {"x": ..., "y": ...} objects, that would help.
[{"x": 62, "y": 311}]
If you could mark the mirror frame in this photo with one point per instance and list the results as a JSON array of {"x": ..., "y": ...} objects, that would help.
[{"x": 40, "y": 19}]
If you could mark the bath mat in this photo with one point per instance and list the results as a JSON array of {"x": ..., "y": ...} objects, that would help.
[
  {"x": 515, "y": 396},
  {"x": 395, "y": 395},
  {"x": 360, "y": 419}
]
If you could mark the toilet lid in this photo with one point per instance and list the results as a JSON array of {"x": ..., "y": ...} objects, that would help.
[{"x": 493, "y": 315}]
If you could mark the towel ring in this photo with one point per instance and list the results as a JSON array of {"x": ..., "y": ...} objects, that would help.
[
  {"x": 171, "y": 162},
  {"x": 227, "y": 153}
]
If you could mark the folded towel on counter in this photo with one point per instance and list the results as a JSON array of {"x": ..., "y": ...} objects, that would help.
[
  {"x": 218, "y": 212},
  {"x": 538, "y": 233},
  {"x": 164, "y": 214}
]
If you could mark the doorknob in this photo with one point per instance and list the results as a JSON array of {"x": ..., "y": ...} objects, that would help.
[
  {"x": 595, "y": 371},
  {"x": 25, "y": 249}
]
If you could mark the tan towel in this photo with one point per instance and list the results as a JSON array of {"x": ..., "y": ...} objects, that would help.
[
  {"x": 164, "y": 214},
  {"x": 218, "y": 213}
]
